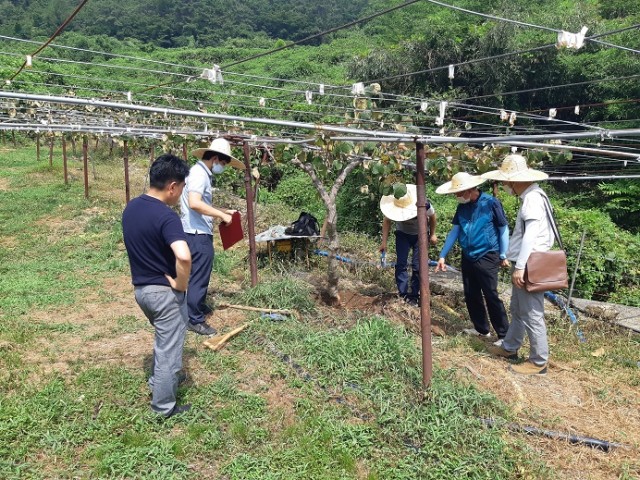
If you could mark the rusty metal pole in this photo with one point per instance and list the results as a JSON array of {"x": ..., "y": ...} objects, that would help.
[
  {"x": 184, "y": 151},
  {"x": 152, "y": 153},
  {"x": 51, "y": 152},
  {"x": 423, "y": 248},
  {"x": 127, "y": 189},
  {"x": 253, "y": 262},
  {"x": 38, "y": 146},
  {"x": 64, "y": 160},
  {"x": 85, "y": 163}
]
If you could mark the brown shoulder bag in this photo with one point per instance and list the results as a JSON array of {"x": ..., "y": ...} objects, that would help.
[{"x": 546, "y": 271}]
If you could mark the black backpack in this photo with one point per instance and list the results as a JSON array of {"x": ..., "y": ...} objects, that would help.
[{"x": 305, "y": 226}]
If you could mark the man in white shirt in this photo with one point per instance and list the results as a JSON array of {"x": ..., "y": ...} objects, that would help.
[
  {"x": 197, "y": 214},
  {"x": 532, "y": 233}
]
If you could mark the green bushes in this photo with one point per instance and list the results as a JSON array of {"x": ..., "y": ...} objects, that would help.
[
  {"x": 296, "y": 191},
  {"x": 609, "y": 263}
]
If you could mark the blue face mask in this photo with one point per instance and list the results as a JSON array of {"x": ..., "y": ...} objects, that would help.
[{"x": 217, "y": 169}]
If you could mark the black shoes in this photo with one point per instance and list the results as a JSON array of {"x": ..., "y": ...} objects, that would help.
[
  {"x": 178, "y": 409},
  {"x": 414, "y": 302},
  {"x": 202, "y": 328}
]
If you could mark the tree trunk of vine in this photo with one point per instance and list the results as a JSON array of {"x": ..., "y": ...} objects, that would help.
[{"x": 332, "y": 265}]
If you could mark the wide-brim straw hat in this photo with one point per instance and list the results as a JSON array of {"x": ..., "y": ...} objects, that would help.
[
  {"x": 400, "y": 209},
  {"x": 514, "y": 169},
  {"x": 221, "y": 146},
  {"x": 460, "y": 182}
]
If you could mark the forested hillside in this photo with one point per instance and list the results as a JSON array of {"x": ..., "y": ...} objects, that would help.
[
  {"x": 498, "y": 65},
  {"x": 181, "y": 23}
]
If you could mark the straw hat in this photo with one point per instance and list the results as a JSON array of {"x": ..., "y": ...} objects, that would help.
[
  {"x": 460, "y": 182},
  {"x": 402, "y": 208},
  {"x": 221, "y": 146},
  {"x": 514, "y": 169}
]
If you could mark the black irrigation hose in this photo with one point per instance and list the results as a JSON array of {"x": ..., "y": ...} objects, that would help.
[{"x": 603, "y": 445}]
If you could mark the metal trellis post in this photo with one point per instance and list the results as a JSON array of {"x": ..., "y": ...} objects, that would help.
[
  {"x": 127, "y": 190},
  {"x": 64, "y": 160},
  {"x": 85, "y": 165},
  {"x": 575, "y": 270},
  {"x": 423, "y": 248},
  {"x": 253, "y": 262}
]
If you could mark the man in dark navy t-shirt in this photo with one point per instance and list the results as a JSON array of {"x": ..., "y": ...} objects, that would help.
[{"x": 160, "y": 263}]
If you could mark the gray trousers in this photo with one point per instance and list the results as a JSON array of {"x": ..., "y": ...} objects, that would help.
[
  {"x": 166, "y": 310},
  {"x": 527, "y": 316}
]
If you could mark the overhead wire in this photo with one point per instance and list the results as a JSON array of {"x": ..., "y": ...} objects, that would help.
[
  {"x": 55, "y": 34},
  {"x": 306, "y": 112},
  {"x": 523, "y": 24},
  {"x": 173, "y": 73},
  {"x": 312, "y": 37},
  {"x": 236, "y": 83},
  {"x": 537, "y": 89}
]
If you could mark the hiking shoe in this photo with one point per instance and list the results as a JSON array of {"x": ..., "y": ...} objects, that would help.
[
  {"x": 474, "y": 333},
  {"x": 178, "y": 409},
  {"x": 202, "y": 328},
  {"x": 529, "y": 368},
  {"x": 501, "y": 352},
  {"x": 414, "y": 302},
  {"x": 498, "y": 343}
]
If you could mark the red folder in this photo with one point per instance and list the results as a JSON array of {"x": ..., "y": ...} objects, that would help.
[{"x": 232, "y": 233}]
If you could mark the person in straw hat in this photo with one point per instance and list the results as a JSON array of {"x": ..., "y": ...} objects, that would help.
[
  {"x": 197, "y": 215},
  {"x": 480, "y": 227},
  {"x": 532, "y": 232},
  {"x": 400, "y": 207}
]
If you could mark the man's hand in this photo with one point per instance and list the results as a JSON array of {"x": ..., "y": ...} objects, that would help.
[
  {"x": 383, "y": 247},
  {"x": 505, "y": 263},
  {"x": 517, "y": 278},
  {"x": 433, "y": 239},
  {"x": 175, "y": 285},
  {"x": 441, "y": 266},
  {"x": 227, "y": 219}
]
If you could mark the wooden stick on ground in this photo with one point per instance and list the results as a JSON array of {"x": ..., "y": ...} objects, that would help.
[
  {"x": 256, "y": 309},
  {"x": 219, "y": 341}
]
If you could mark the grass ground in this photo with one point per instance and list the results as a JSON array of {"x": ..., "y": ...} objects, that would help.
[{"x": 335, "y": 394}]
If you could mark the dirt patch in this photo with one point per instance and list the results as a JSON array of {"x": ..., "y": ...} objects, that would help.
[
  {"x": 9, "y": 242},
  {"x": 567, "y": 400},
  {"x": 257, "y": 379},
  {"x": 60, "y": 227},
  {"x": 4, "y": 185}
]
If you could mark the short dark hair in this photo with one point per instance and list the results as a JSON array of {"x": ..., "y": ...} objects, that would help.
[
  {"x": 209, "y": 155},
  {"x": 166, "y": 169}
]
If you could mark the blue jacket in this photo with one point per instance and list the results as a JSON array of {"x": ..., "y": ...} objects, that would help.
[{"x": 481, "y": 225}]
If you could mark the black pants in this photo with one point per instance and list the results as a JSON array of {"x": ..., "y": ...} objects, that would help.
[
  {"x": 480, "y": 279},
  {"x": 201, "y": 247}
]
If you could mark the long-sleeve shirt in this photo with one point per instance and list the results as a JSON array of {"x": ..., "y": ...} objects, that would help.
[{"x": 532, "y": 232}]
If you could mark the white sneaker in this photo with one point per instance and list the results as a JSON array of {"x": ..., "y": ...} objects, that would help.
[
  {"x": 474, "y": 333},
  {"x": 498, "y": 343}
]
